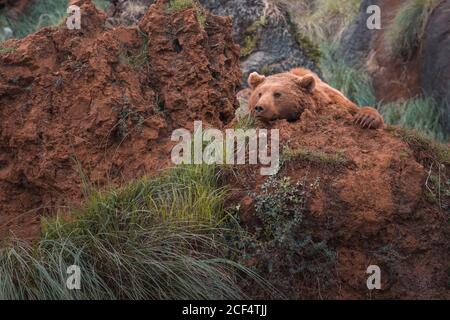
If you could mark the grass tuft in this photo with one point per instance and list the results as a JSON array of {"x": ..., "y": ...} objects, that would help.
[
  {"x": 317, "y": 157},
  {"x": 152, "y": 239},
  {"x": 179, "y": 5},
  {"x": 351, "y": 80},
  {"x": 406, "y": 31},
  {"x": 421, "y": 114}
]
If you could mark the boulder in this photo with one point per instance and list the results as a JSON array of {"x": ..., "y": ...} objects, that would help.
[
  {"x": 356, "y": 38},
  {"x": 435, "y": 64},
  {"x": 268, "y": 39}
]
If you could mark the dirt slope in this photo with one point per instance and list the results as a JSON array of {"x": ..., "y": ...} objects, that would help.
[
  {"x": 365, "y": 202},
  {"x": 104, "y": 101}
]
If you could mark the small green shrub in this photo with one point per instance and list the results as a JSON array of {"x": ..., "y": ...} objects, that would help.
[
  {"x": 351, "y": 80},
  {"x": 283, "y": 245},
  {"x": 5, "y": 51},
  {"x": 252, "y": 37},
  {"x": 139, "y": 59},
  {"x": 249, "y": 46}
]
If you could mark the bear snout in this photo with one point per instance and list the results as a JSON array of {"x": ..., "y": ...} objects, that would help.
[{"x": 259, "y": 109}]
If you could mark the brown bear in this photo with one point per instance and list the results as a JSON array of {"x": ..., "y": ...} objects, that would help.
[{"x": 287, "y": 95}]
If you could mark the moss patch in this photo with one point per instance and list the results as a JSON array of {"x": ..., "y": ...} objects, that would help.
[
  {"x": 179, "y": 5},
  {"x": 252, "y": 37},
  {"x": 6, "y": 50},
  {"x": 317, "y": 158},
  {"x": 311, "y": 49}
]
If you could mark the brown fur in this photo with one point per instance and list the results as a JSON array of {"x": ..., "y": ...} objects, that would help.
[{"x": 287, "y": 95}]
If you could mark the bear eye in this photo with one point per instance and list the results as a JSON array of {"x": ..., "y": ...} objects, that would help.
[
  {"x": 277, "y": 94},
  {"x": 260, "y": 94}
]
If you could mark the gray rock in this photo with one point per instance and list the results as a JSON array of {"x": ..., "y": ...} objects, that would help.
[
  {"x": 266, "y": 35},
  {"x": 435, "y": 67},
  {"x": 356, "y": 38}
]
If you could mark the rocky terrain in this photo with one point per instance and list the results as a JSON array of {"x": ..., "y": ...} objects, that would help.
[
  {"x": 99, "y": 104},
  {"x": 269, "y": 41},
  {"x": 105, "y": 101}
]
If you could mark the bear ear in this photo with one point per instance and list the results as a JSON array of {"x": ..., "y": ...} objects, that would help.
[
  {"x": 255, "y": 79},
  {"x": 307, "y": 82}
]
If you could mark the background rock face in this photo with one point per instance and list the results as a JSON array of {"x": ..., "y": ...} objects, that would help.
[
  {"x": 426, "y": 71},
  {"x": 268, "y": 40},
  {"x": 435, "y": 68},
  {"x": 16, "y": 4},
  {"x": 356, "y": 39},
  {"x": 104, "y": 101},
  {"x": 368, "y": 47}
]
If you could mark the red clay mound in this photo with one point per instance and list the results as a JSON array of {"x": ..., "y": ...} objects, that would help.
[
  {"x": 104, "y": 101},
  {"x": 367, "y": 201}
]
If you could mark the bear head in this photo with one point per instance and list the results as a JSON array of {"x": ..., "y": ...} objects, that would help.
[{"x": 280, "y": 96}]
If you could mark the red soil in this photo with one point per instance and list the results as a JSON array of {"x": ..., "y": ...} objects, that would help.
[
  {"x": 371, "y": 211},
  {"x": 70, "y": 101}
]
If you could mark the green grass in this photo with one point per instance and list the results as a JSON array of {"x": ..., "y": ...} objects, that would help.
[
  {"x": 155, "y": 238},
  {"x": 179, "y": 5},
  {"x": 321, "y": 20},
  {"x": 406, "y": 31},
  {"x": 4, "y": 51},
  {"x": 317, "y": 157},
  {"x": 40, "y": 14},
  {"x": 422, "y": 114},
  {"x": 351, "y": 80}
]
